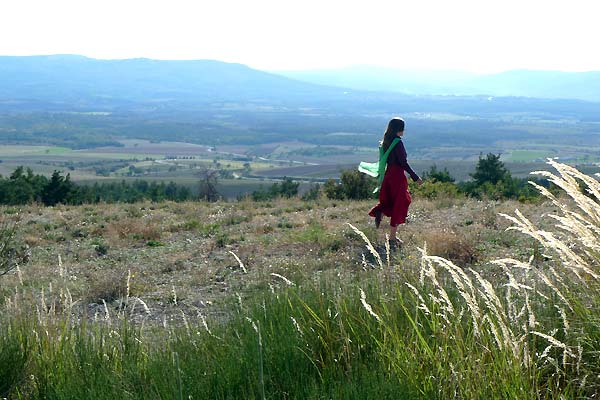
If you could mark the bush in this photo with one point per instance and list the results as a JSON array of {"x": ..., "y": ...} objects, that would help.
[
  {"x": 436, "y": 175},
  {"x": 492, "y": 180},
  {"x": 312, "y": 193},
  {"x": 287, "y": 188},
  {"x": 435, "y": 190},
  {"x": 333, "y": 190},
  {"x": 353, "y": 185}
]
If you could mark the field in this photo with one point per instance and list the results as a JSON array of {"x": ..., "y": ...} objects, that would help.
[
  {"x": 293, "y": 299},
  {"x": 245, "y": 168}
]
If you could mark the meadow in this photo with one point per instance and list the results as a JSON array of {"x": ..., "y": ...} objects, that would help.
[{"x": 295, "y": 299}]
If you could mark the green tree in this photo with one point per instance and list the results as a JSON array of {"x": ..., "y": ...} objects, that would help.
[
  {"x": 356, "y": 185},
  {"x": 436, "y": 175},
  {"x": 24, "y": 187},
  {"x": 312, "y": 193},
  {"x": 490, "y": 170},
  {"x": 288, "y": 188},
  {"x": 58, "y": 189},
  {"x": 353, "y": 185},
  {"x": 333, "y": 190}
]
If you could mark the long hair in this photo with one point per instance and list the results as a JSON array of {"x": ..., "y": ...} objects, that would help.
[{"x": 395, "y": 125}]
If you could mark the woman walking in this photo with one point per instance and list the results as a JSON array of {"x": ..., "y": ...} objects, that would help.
[{"x": 394, "y": 197}]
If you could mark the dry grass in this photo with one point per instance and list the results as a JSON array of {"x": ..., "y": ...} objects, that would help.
[
  {"x": 106, "y": 288},
  {"x": 472, "y": 290},
  {"x": 134, "y": 229},
  {"x": 287, "y": 237},
  {"x": 451, "y": 245}
]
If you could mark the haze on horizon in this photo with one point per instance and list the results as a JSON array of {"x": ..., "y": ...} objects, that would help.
[{"x": 467, "y": 35}]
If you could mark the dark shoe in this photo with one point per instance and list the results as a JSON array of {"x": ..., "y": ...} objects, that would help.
[
  {"x": 377, "y": 218},
  {"x": 396, "y": 243}
]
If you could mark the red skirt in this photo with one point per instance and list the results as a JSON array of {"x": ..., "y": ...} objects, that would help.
[{"x": 394, "y": 197}]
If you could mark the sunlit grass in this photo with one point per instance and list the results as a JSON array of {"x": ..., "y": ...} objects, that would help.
[{"x": 510, "y": 328}]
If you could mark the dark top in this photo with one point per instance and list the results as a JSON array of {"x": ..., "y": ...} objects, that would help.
[{"x": 398, "y": 157}]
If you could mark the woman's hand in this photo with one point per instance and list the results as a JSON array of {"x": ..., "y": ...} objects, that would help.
[{"x": 419, "y": 181}]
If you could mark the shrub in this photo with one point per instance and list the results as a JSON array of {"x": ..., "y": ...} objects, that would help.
[
  {"x": 435, "y": 189},
  {"x": 312, "y": 193},
  {"x": 287, "y": 188},
  {"x": 106, "y": 287},
  {"x": 353, "y": 185},
  {"x": 101, "y": 248},
  {"x": 333, "y": 190},
  {"x": 436, "y": 175},
  {"x": 490, "y": 170}
]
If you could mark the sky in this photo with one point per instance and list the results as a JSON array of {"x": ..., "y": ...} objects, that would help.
[{"x": 483, "y": 36}]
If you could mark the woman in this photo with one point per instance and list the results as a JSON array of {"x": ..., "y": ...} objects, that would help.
[{"x": 394, "y": 197}]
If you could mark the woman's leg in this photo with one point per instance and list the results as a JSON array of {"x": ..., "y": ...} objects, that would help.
[
  {"x": 393, "y": 230},
  {"x": 395, "y": 240}
]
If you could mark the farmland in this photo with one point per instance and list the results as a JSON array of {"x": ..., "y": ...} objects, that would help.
[{"x": 243, "y": 168}]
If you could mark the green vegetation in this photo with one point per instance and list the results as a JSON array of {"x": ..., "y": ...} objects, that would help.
[
  {"x": 436, "y": 175},
  {"x": 23, "y": 187},
  {"x": 287, "y": 188},
  {"x": 491, "y": 179},
  {"x": 353, "y": 185},
  {"x": 520, "y": 327},
  {"x": 178, "y": 308}
]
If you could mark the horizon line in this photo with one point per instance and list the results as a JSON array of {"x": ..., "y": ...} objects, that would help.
[{"x": 312, "y": 68}]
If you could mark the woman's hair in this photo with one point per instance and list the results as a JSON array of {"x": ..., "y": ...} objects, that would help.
[{"x": 395, "y": 125}]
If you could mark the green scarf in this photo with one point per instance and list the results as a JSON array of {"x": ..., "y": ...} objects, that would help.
[{"x": 377, "y": 169}]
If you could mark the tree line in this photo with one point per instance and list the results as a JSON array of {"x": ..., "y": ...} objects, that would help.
[
  {"x": 491, "y": 179},
  {"x": 25, "y": 187}
]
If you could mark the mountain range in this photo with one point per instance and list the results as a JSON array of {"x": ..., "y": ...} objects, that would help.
[
  {"x": 77, "y": 101},
  {"x": 526, "y": 83},
  {"x": 77, "y": 78},
  {"x": 73, "y": 79}
]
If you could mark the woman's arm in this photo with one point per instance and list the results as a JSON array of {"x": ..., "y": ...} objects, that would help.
[{"x": 403, "y": 162}]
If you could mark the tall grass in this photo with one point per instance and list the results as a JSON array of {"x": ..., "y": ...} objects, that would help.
[{"x": 512, "y": 329}]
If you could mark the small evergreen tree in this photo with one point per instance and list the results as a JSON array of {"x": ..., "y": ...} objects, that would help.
[
  {"x": 436, "y": 175},
  {"x": 288, "y": 188},
  {"x": 312, "y": 193},
  {"x": 490, "y": 170},
  {"x": 58, "y": 189}
]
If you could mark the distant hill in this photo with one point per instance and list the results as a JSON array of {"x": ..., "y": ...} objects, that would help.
[
  {"x": 71, "y": 78},
  {"x": 80, "y": 102},
  {"x": 540, "y": 84}
]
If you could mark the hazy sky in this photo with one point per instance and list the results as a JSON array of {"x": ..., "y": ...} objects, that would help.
[{"x": 472, "y": 35}]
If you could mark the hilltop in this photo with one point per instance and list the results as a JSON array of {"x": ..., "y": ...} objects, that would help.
[
  {"x": 186, "y": 247},
  {"x": 302, "y": 299}
]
